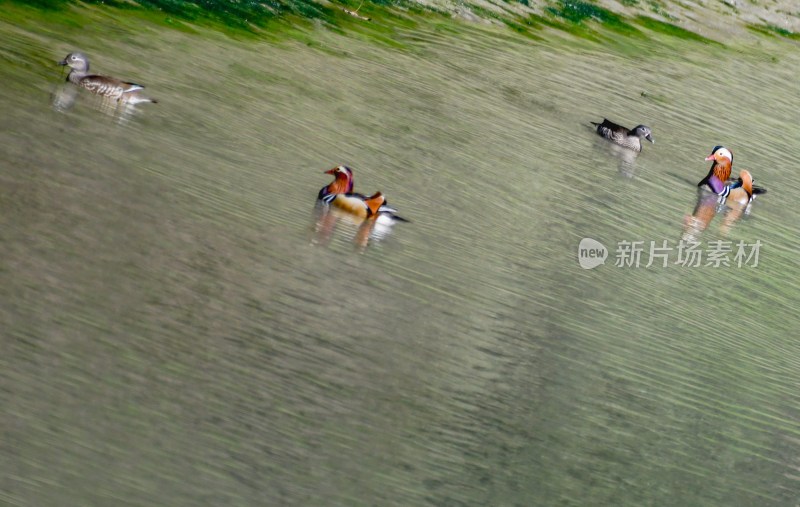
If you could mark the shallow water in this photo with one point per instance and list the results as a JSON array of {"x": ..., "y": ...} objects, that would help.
[{"x": 181, "y": 327}]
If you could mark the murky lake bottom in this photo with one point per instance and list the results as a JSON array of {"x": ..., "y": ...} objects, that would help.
[{"x": 181, "y": 326}]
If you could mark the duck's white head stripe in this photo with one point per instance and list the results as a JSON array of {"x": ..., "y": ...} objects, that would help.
[{"x": 725, "y": 152}]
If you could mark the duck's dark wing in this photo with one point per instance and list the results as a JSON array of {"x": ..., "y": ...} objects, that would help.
[{"x": 610, "y": 130}]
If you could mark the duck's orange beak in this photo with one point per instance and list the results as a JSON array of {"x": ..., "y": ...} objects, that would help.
[{"x": 331, "y": 171}]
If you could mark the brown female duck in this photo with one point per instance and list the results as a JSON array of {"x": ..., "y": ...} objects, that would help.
[
  {"x": 628, "y": 138},
  {"x": 109, "y": 87}
]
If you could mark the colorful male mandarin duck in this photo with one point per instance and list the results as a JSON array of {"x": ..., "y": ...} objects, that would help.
[
  {"x": 741, "y": 191},
  {"x": 109, "y": 87},
  {"x": 339, "y": 194},
  {"x": 738, "y": 195},
  {"x": 629, "y": 138}
]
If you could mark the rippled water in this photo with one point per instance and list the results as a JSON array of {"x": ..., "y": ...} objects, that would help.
[{"x": 181, "y": 327}]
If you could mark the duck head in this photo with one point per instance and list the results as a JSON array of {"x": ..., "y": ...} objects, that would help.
[
  {"x": 76, "y": 61},
  {"x": 643, "y": 131},
  {"x": 343, "y": 178},
  {"x": 342, "y": 183},
  {"x": 720, "y": 172},
  {"x": 720, "y": 155}
]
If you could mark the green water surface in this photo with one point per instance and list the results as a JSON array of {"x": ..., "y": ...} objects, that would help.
[{"x": 180, "y": 326}]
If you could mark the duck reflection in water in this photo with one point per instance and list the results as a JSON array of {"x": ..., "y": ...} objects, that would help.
[
  {"x": 625, "y": 145},
  {"x": 371, "y": 215},
  {"x": 626, "y": 157},
  {"x": 66, "y": 95},
  {"x": 63, "y": 97},
  {"x": 360, "y": 230}
]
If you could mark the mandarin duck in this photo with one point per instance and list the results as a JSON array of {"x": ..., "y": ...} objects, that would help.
[
  {"x": 339, "y": 194},
  {"x": 109, "y": 87},
  {"x": 742, "y": 191},
  {"x": 628, "y": 138}
]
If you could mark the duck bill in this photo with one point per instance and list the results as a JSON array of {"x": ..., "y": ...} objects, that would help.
[
  {"x": 62, "y": 62},
  {"x": 710, "y": 158},
  {"x": 650, "y": 138}
]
